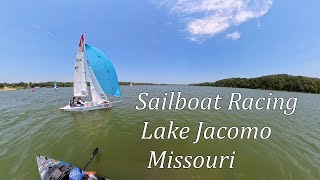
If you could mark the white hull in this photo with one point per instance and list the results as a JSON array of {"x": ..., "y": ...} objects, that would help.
[{"x": 87, "y": 107}]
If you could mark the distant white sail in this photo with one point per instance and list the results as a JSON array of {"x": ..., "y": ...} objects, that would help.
[
  {"x": 80, "y": 88},
  {"x": 55, "y": 86},
  {"x": 97, "y": 94}
]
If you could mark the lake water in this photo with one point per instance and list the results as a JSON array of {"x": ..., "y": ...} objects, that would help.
[{"x": 31, "y": 123}]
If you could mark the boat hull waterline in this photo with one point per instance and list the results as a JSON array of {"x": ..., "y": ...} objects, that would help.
[{"x": 86, "y": 107}]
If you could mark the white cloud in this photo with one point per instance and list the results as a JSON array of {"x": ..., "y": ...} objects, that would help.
[
  {"x": 233, "y": 36},
  {"x": 41, "y": 30},
  {"x": 50, "y": 34},
  {"x": 35, "y": 27},
  {"x": 207, "y": 18}
]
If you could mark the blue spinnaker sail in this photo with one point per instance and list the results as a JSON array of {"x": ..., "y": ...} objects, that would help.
[{"x": 103, "y": 70}]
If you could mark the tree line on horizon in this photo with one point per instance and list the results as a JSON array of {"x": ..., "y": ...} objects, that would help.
[
  {"x": 279, "y": 82},
  {"x": 24, "y": 85}
]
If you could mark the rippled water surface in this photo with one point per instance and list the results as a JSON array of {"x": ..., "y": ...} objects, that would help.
[{"x": 31, "y": 123}]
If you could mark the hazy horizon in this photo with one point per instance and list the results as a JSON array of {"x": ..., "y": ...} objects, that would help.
[{"x": 160, "y": 82}]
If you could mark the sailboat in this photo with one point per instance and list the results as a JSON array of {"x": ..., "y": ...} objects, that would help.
[
  {"x": 101, "y": 75},
  {"x": 55, "y": 86},
  {"x": 131, "y": 84}
]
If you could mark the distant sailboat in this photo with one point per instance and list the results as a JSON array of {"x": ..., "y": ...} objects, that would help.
[
  {"x": 55, "y": 86},
  {"x": 101, "y": 76},
  {"x": 131, "y": 84}
]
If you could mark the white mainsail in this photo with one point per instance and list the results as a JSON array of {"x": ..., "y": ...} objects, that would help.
[{"x": 80, "y": 88}]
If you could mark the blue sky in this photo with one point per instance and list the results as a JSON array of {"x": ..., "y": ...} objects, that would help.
[{"x": 162, "y": 41}]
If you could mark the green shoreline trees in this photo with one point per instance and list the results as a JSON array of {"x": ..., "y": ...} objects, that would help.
[
  {"x": 23, "y": 85},
  {"x": 279, "y": 82}
]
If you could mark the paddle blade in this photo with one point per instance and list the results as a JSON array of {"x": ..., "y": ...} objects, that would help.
[{"x": 95, "y": 152}]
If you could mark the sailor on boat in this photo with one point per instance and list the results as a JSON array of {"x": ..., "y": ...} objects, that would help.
[
  {"x": 72, "y": 102},
  {"x": 80, "y": 102}
]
